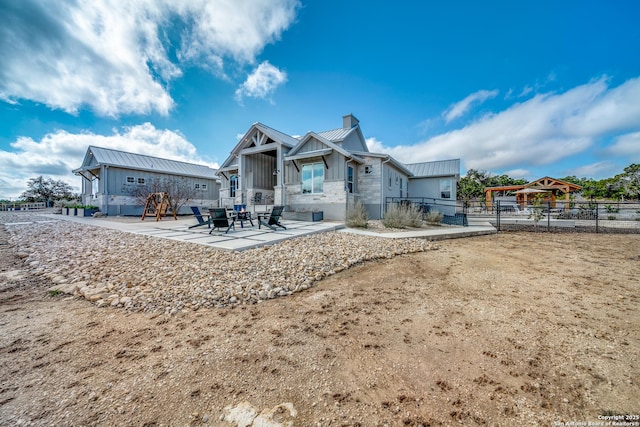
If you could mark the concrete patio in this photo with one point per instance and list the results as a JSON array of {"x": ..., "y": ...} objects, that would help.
[{"x": 251, "y": 237}]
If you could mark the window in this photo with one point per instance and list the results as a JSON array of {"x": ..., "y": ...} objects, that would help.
[
  {"x": 312, "y": 178},
  {"x": 141, "y": 181},
  {"x": 131, "y": 180},
  {"x": 199, "y": 186},
  {"x": 350, "y": 179},
  {"x": 389, "y": 179},
  {"x": 445, "y": 188},
  {"x": 368, "y": 170},
  {"x": 233, "y": 185},
  {"x": 401, "y": 195}
]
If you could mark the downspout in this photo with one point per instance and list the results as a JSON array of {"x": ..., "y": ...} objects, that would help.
[{"x": 382, "y": 186}]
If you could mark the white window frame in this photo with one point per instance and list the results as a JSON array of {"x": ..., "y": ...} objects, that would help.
[
  {"x": 233, "y": 185},
  {"x": 140, "y": 181},
  {"x": 446, "y": 185},
  {"x": 130, "y": 180},
  {"x": 317, "y": 185},
  {"x": 351, "y": 186}
]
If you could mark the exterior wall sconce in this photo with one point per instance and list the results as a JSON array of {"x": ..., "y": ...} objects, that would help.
[{"x": 276, "y": 172}]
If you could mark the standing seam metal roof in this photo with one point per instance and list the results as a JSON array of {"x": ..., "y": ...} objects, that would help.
[
  {"x": 437, "y": 168},
  {"x": 335, "y": 134},
  {"x": 107, "y": 156}
]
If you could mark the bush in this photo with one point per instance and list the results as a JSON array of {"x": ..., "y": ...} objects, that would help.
[
  {"x": 434, "y": 217},
  {"x": 402, "y": 216},
  {"x": 357, "y": 216}
]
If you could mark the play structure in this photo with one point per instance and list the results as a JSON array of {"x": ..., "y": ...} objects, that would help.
[{"x": 158, "y": 205}]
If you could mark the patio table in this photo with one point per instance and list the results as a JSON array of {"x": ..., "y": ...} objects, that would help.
[{"x": 242, "y": 217}]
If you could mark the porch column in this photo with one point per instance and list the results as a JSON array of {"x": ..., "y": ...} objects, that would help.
[{"x": 279, "y": 190}]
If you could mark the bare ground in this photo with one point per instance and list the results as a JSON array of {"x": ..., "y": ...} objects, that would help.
[{"x": 511, "y": 329}]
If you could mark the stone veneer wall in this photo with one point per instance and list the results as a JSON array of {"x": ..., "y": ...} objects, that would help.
[
  {"x": 368, "y": 189},
  {"x": 332, "y": 201}
]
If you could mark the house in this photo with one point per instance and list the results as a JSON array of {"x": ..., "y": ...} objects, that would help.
[
  {"x": 111, "y": 179},
  {"x": 326, "y": 171}
]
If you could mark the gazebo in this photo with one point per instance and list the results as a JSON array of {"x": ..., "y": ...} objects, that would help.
[{"x": 547, "y": 186}]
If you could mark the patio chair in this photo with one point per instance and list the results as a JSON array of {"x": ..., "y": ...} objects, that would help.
[
  {"x": 524, "y": 211},
  {"x": 271, "y": 220},
  {"x": 220, "y": 220},
  {"x": 200, "y": 218}
]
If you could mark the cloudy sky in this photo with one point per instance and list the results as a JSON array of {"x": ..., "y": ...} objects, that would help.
[{"x": 523, "y": 88}]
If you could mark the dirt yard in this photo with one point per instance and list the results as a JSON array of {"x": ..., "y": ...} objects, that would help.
[{"x": 511, "y": 329}]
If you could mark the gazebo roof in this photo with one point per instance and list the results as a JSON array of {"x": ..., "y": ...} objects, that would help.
[{"x": 544, "y": 183}]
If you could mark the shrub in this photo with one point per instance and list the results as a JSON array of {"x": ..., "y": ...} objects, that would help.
[
  {"x": 434, "y": 217},
  {"x": 402, "y": 216},
  {"x": 357, "y": 216}
]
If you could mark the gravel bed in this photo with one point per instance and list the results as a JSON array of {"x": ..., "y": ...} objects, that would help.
[{"x": 143, "y": 273}]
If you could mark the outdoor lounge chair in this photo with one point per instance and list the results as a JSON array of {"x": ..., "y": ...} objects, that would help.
[
  {"x": 220, "y": 220},
  {"x": 200, "y": 218},
  {"x": 271, "y": 220}
]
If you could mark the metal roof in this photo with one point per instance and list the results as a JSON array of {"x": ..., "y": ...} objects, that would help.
[
  {"x": 336, "y": 134},
  {"x": 276, "y": 135},
  {"x": 437, "y": 168},
  {"x": 107, "y": 156}
]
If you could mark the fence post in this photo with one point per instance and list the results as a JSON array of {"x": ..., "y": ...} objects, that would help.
[
  {"x": 548, "y": 217},
  {"x": 597, "y": 229},
  {"x": 498, "y": 215}
]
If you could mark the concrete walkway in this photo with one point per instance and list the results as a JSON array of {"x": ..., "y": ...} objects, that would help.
[{"x": 251, "y": 237}]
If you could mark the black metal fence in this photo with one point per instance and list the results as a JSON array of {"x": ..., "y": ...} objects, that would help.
[{"x": 589, "y": 216}]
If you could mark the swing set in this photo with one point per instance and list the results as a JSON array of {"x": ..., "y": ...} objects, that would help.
[{"x": 158, "y": 205}]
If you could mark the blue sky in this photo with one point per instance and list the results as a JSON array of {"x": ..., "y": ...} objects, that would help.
[{"x": 527, "y": 88}]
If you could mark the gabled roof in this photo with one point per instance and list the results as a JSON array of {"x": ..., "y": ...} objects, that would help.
[
  {"x": 341, "y": 134},
  {"x": 387, "y": 158},
  {"x": 276, "y": 135},
  {"x": 125, "y": 160},
  {"x": 546, "y": 182},
  {"x": 433, "y": 169},
  {"x": 336, "y": 134},
  {"x": 293, "y": 153},
  {"x": 244, "y": 142}
]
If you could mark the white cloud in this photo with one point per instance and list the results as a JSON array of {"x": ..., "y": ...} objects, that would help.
[
  {"x": 519, "y": 173},
  {"x": 375, "y": 146},
  {"x": 596, "y": 170},
  {"x": 460, "y": 108},
  {"x": 261, "y": 82},
  {"x": 627, "y": 145},
  {"x": 116, "y": 56},
  {"x": 58, "y": 153},
  {"x": 540, "y": 131}
]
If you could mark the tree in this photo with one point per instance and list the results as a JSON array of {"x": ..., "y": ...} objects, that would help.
[
  {"x": 629, "y": 181},
  {"x": 47, "y": 190},
  {"x": 180, "y": 190},
  {"x": 473, "y": 184}
]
